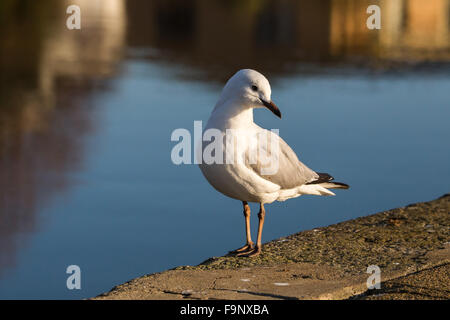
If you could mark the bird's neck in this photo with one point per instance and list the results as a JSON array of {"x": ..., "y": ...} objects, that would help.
[{"x": 232, "y": 115}]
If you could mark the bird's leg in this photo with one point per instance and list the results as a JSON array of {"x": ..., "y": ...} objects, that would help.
[
  {"x": 249, "y": 244},
  {"x": 257, "y": 250}
]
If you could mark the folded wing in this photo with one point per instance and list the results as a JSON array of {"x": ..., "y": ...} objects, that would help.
[{"x": 288, "y": 171}]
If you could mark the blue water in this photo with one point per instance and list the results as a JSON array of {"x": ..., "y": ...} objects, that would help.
[{"x": 130, "y": 211}]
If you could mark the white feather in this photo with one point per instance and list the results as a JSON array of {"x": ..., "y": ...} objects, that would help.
[{"x": 234, "y": 110}]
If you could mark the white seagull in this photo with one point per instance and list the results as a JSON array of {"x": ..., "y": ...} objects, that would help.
[{"x": 245, "y": 180}]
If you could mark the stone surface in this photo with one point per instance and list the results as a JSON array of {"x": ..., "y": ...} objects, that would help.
[
  {"x": 324, "y": 263},
  {"x": 429, "y": 284}
]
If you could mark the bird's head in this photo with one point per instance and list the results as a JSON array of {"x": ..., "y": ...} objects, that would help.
[{"x": 251, "y": 89}]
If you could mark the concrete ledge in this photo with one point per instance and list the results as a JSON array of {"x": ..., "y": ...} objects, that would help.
[{"x": 408, "y": 244}]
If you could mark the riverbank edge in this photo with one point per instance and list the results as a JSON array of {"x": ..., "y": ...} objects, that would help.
[{"x": 324, "y": 263}]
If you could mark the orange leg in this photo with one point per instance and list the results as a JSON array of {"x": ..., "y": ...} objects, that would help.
[
  {"x": 249, "y": 244},
  {"x": 257, "y": 250}
]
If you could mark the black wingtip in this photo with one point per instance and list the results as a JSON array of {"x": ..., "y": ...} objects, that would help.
[{"x": 323, "y": 177}]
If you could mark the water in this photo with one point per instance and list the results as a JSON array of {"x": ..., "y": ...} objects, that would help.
[{"x": 85, "y": 168}]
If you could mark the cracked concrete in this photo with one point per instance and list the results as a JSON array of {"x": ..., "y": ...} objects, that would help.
[{"x": 408, "y": 244}]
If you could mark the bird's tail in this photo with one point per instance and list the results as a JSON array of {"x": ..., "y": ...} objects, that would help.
[
  {"x": 334, "y": 185},
  {"x": 321, "y": 185}
]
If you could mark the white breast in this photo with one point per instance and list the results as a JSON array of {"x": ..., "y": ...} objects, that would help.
[{"x": 236, "y": 180}]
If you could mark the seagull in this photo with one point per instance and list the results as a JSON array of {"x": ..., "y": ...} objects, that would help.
[{"x": 243, "y": 179}]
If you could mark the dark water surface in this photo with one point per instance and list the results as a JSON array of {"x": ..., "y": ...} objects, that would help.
[{"x": 86, "y": 117}]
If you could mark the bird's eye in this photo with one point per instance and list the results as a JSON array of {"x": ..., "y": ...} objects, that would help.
[{"x": 254, "y": 88}]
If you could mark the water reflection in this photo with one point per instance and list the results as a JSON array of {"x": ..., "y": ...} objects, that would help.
[
  {"x": 46, "y": 82},
  {"x": 219, "y": 37},
  {"x": 49, "y": 74}
]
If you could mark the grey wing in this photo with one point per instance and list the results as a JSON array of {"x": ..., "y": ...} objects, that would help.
[{"x": 289, "y": 173}]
